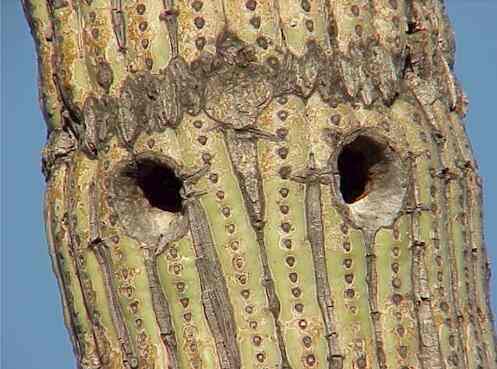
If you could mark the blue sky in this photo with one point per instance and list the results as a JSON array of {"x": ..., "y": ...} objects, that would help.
[{"x": 33, "y": 335}]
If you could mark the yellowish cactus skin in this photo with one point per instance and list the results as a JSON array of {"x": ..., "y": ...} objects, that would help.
[{"x": 261, "y": 184}]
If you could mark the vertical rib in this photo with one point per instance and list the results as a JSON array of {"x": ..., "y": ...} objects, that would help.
[
  {"x": 118, "y": 24},
  {"x": 155, "y": 47},
  {"x": 37, "y": 14},
  {"x": 255, "y": 23},
  {"x": 464, "y": 219},
  {"x": 102, "y": 253},
  {"x": 273, "y": 300},
  {"x": 446, "y": 192},
  {"x": 95, "y": 268},
  {"x": 481, "y": 273},
  {"x": 313, "y": 212},
  {"x": 429, "y": 216},
  {"x": 303, "y": 24},
  {"x": 390, "y": 23},
  {"x": 93, "y": 212},
  {"x": 215, "y": 298},
  {"x": 456, "y": 253},
  {"x": 474, "y": 253},
  {"x": 429, "y": 345},
  {"x": 352, "y": 22},
  {"x": 243, "y": 156},
  {"x": 198, "y": 27},
  {"x": 235, "y": 241},
  {"x": 63, "y": 283},
  {"x": 86, "y": 288},
  {"x": 372, "y": 283},
  {"x": 61, "y": 274},
  {"x": 170, "y": 17},
  {"x": 71, "y": 74},
  {"x": 430, "y": 354},
  {"x": 162, "y": 311},
  {"x": 452, "y": 266},
  {"x": 106, "y": 66},
  {"x": 452, "y": 176},
  {"x": 344, "y": 247}
]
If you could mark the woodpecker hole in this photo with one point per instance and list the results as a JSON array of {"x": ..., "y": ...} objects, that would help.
[
  {"x": 372, "y": 179},
  {"x": 411, "y": 28},
  {"x": 357, "y": 164},
  {"x": 159, "y": 184}
]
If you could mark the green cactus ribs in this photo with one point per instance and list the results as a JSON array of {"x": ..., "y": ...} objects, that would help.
[{"x": 272, "y": 184}]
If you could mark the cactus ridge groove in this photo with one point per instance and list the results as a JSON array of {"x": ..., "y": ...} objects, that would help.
[
  {"x": 428, "y": 113},
  {"x": 215, "y": 298},
  {"x": 473, "y": 300},
  {"x": 452, "y": 184},
  {"x": 69, "y": 188},
  {"x": 313, "y": 177},
  {"x": 118, "y": 24},
  {"x": 162, "y": 310},
  {"x": 273, "y": 301},
  {"x": 62, "y": 280},
  {"x": 243, "y": 156},
  {"x": 372, "y": 282},
  {"x": 102, "y": 254},
  {"x": 169, "y": 16},
  {"x": 430, "y": 351}
]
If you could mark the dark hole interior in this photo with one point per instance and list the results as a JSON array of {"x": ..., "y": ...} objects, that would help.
[
  {"x": 355, "y": 164},
  {"x": 160, "y": 185},
  {"x": 411, "y": 28}
]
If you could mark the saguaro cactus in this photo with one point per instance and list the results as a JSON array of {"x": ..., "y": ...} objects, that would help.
[{"x": 237, "y": 184}]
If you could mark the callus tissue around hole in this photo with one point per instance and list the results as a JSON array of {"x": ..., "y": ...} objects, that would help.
[{"x": 146, "y": 198}]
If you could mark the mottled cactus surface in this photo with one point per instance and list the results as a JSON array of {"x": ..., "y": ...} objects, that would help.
[{"x": 271, "y": 184}]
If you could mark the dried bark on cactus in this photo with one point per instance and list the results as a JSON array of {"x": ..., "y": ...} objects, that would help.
[{"x": 243, "y": 184}]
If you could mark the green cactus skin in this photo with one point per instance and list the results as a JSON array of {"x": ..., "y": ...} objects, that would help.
[{"x": 248, "y": 184}]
